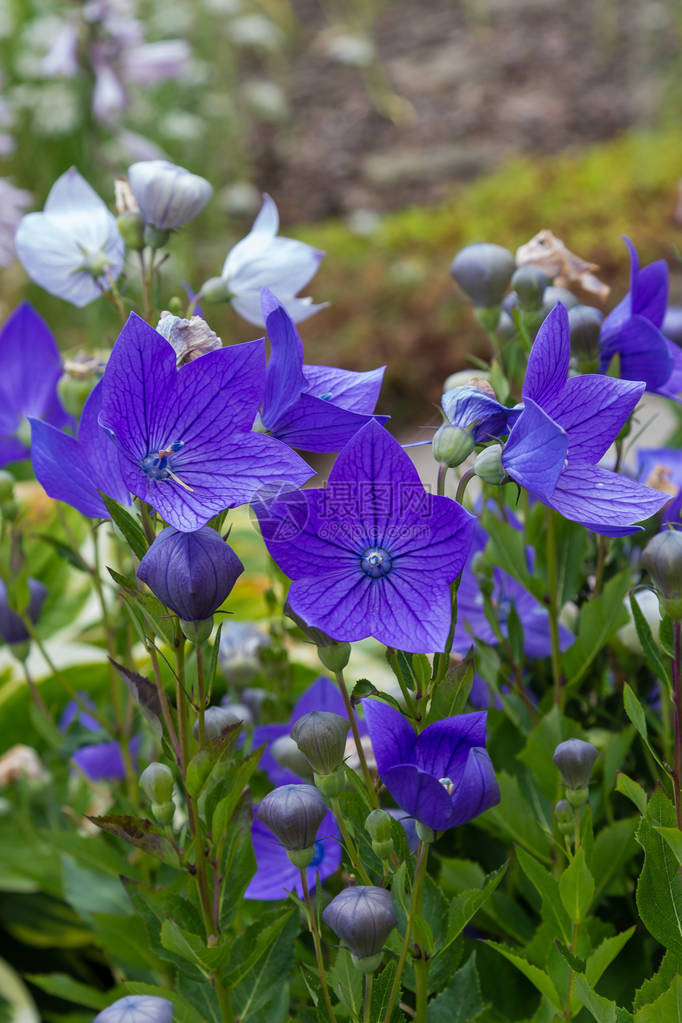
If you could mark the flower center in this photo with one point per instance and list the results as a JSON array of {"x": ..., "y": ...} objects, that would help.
[
  {"x": 318, "y": 855},
  {"x": 158, "y": 465},
  {"x": 448, "y": 784},
  {"x": 327, "y": 396},
  {"x": 376, "y": 562}
]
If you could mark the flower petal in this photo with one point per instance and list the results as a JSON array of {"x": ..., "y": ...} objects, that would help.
[
  {"x": 643, "y": 351},
  {"x": 357, "y": 392},
  {"x": 442, "y": 748},
  {"x": 100, "y": 450},
  {"x": 547, "y": 370},
  {"x": 63, "y": 471},
  {"x": 323, "y": 694},
  {"x": 477, "y": 790},
  {"x": 392, "y": 736},
  {"x": 604, "y": 501},
  {"x": 535, "y": 453},
  {"x": 312, "y": 424},
  {"x": 420, "y": 794},
  {"x": 27, "y": 345},
  {"x": 284, "y": 379},
  {"x": 592, "y": 410}
]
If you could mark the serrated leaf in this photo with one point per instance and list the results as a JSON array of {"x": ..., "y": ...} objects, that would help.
[
  {"x": 128, "y": 525},
  {"x": 465, "y": 906},
  {"x": 452, "y": 692},
  {"x": 652, "y": 654},
  {"x": 265, "y": 980},
  {"x": 659, "y": 892},
  {"x": 604, "y": 954},
  {"x": 461, "y": 1000},
  {"x": 635, "y": 712},
  {"x": 654, "y": 987},
  {"x": 346, "y": 981},
  {"x": 553, "y": 910},
  {"x": 193, "y": 949},
  {"x": 632, "y": 790},
  {"x": 203, "y": 763},
  {"x": 600, "y": 1008},
  {"x": 145, "y": 695},
  {"x": 249, "y": 948},
  {"x": 538, "y": 978},
  {"x": 576, "y": 887},
  {"x": 666, "y": 1009},
  {"x": 674, "y": 839}
]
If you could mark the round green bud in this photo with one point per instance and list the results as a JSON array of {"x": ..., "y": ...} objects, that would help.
[
  {"x": 155, "y": 238},
  {"x": 175, "y": 306},
  {"x": 425, "y": 833},
  {"x": 488, "y": 317},
  {"x": 197, "y": 632},
  {"x": 131, "y": 230},
  {"x": 156, "y": 781},
  {"x": 74, "y": 393},
  {"x": 452, "y": 445},
  {"x": 565, "y": 816},
  {"x": 321, "y": 737},
  {"x": 163, "y": 812},
  {"x": 331, "y": 785},
  {"x": 6, "y": 486},
  {"x": 215, "y": 289},
  {"x": 488, "y": 465},
  {"x": 379, "y": 824},
  {"x": 334, "y": 657}
]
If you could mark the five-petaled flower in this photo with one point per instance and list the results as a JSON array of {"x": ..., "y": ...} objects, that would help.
[
  {"x": 380, "y": 562},
  {"x": 184, "y": 436},
  {"x": 443, "y": 777},
  {"x": 565, "y": 429}
]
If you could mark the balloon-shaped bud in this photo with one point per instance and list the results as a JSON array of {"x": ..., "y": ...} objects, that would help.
[
  {"x": 530, "y": 284},
  {"x": 488, "y": 465},
  {"x": 321, "y": 737},
  {"x": 156, "y": 781},
  {"x": 217, "y": 720},
  {"x": 662, "y": 558},
  {"x": 288, "y": 755},
  {"x": 167, "y": 195},
  {"x": 585, "y": 326},
  {"x": 294, "y": 814},
  {"x": 483, "y": 271},
  {"x": 362, "y": 917},
  {"x": 191, "y": 573},
  {"x": 452, "y": 445},
  {"x": 575, "y": 760}
]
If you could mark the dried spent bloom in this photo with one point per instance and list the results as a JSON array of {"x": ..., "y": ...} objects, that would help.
[
  {"x": 167, "y": 196},
  {"x": 549, "y": 253},
  {"x": 137, "y": 1009},
  {"x": 443, "y": 777},
  {"x": 294, "y": 814},
  {"x": 265, "y": 260},
  {"x": 483, "y": 271},
  {"x": 73, "y": 248},
  {"x": 575, "y": 760},
  {"x": 362, "y": 917},
  {"x": 373, "y": 553},
  {"x": 191, "y": 573},
  {"x": 189, "y": 338},
  {"x": 566, "y": 427},
  {"x": 276, "y": 875},
  {"x": 184, "y": 435}
]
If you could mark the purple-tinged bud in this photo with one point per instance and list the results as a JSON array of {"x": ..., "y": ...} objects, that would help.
[
  {"x": 483, "y": 271},
  {"x": 217, "y": 720},
  {"x": 191, "y": 573},
  {"x": 530, "y": 284},
  {"x": 553, "y": 295},
  {"x": 334, "y": 657},
  {"x": 137, "y": 1009},
  {"x": 168, "y": 196},
  {"x": 575, "y": 760},
  {"x": 672, "y": 323},
  {"x": 362, "y": 917},
  {"x": 294, "y": 814},
  {"x": 288, "y": 755},
  {"x": 662, "y": 558},
  {"x": 452, "y": 445},
  {"x": 488, "y": 465},
  {"x": 156, "y": 781},
  {"x": 565, "y": 816},
  {"x": 585, "y": 324},
  {"x": 321, "y": 737},
  {"x": 12, "y": 629}
]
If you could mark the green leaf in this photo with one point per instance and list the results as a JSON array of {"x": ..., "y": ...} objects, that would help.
[
  {"x": 193, "y": 949},
  {"x": 534, "y": 974},
  {"x": 604, "y": 954},
  {"x": 613, "y": 847},
  {"x": 666, "y": 1009},
  {"x": 659, "y": 893},
  {"x": 61, "y": 985},
  {"x": 236, "y": 782},
  {"x": 650, "y": 648},
  {"x": 465, "y": 906},
  {"x": 381, "y": 992},
  {"x": 507, "y": 550},
  {"x": 633, "y": 790},
  {"x": 553, "y": 910},
  {"x": 654, "y": 987},
  {"x": 127, "y": 946},
  {"x": 203, "y": 763},
  {"x": 89, "y": 891},
  {"x": 597, "y": 622},
  {"x": 576, "y": 887},
  {"x": 461, "y": 1000},
  {"x": 600, "y": 1008},
  {"x": 67, "y": 553},
  {"x": 264, "y": 982},
  {"x": 539, "y": 749},
  {"x": 635, "y": 712},
  {"x": 128, "y": 525},
  {"x": 346, "y": 981},
  {"x": 514, "y": 819},
  {"x": 452, "y": 693},
  {"x": 674, "y": 839},
  {"x": 251, "y": 946}
]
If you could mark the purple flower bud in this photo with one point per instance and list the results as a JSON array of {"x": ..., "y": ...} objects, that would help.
[
  {"x": 530, "y": 284},
  {"x": 293, "y": 813},
  {"x": 585, "y": 325},
  {"x": 483, "y": 271},
  {"x": 288, "y": 755},
  {"x": 362, "y": 917},
  {"x": 217, "y": 720},
  {"x": 12, "y": 629},
  {"x": 662, "y": 558},
  {"x": 575, "y": 760},
  {"x": 137, "y": 1009},
  {"x": 191, "y": 573},
  {"x": 321, "y": 737},
  {"x": 168, "y": 196}
]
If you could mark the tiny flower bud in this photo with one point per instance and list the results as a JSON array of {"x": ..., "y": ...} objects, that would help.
[
  {"x": 288, "y": 755},
  {"x": 575, "y": 760},
  {"x": 565, "y": 817},
  {"x": 483, "y": 271},
  {"x": 131, "y": 229},
  {"x": 452, "y": 445},
  {"x": 334, "y": 657},
  {"x": 530, "y": 284},
  {"x": 585, "y": 325},
  {"x": 321, "y": 736},
  {"x": 156, "y": 781},
  {"x": 662, "y": 558},
  {"x": 294, "y": 814},
  {"x": 577, "y": 797},
  {"x": 362, "y": 917},
  {"x": 168, "y": 196},
  {"x": 379, "y": 825},
  {"x": 488, "y": 465}
]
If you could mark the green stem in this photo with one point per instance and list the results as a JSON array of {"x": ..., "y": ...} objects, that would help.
[
  {"x": 369, "y": 977},
  {"x": 317, "y": 942},
  {"x": 415, "y": 910},
  {"x": 440, "y": 480},
  {"x": 463, "y": 484},
  {"x": 421, "y": 972},
  {"x": 677, "y": 705},
  {"x": 371, "y": 791},
  {"x": 349, "y": 844},
  {"x": 552, "y": 584},
  {"x": 602, "y": 551},
  {"x": 201, "y": 685}
]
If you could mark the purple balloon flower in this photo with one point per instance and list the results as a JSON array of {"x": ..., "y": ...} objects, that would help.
[
  {"x": 137, "y": 1009},
  {"x": 99, "y": 761},
  {"x": 321, "y": 695},
  {"x": 30, "y": 366},
  {"x": 184, "y": 436},
  {"x": 277, "y": 875},
  {"x": 443, "y": 777},
  {"x": 73, "y": 470},
  {"x": 375, "y": 553},
  {"x": 314, "y": 408},
  {"x": 565, "y": 428},
  {"x": 633, "y": 331}
]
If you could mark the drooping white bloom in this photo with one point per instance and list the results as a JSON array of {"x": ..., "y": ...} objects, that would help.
[
  {"x": 137, "y": 1009},
  {"x": 73, "y": 248},
  {"x": 264, "y": 260},
  {"x": 168, "y": 196}
]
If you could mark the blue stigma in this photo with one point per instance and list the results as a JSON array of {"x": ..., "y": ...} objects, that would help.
[
  {"x": 157, "y": 465},
  {"x": 376, "y": 562},
  {"x": 318, "y": 855}
]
